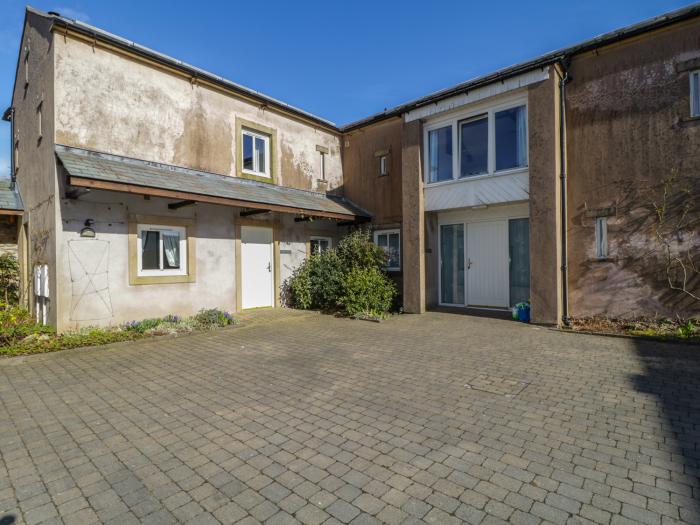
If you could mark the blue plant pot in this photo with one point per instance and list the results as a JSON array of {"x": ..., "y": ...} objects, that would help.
[{"x": 524, "y": 313}]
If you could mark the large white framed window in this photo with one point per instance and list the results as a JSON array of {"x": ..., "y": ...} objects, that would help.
[
  {"x": 695, "y": 93},
  {"x": 161, "y": 250},
  {"x": 256, "y": 153},
  {"x": 390, "y": 242},
  {"x": 490, "y": 139},
  {"x": 318, "y": 245}
]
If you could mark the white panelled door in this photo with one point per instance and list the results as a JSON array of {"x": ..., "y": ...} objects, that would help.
[
  {"x": 487, "y": 264},
  {"x": 257, "y": 268}
]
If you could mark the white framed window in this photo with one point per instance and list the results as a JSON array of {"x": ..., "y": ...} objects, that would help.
[
  {"x": 601, "y": 237},
  {"x": 39, "y": 111},
  {"x": 390, "y": 242},
  {"x": 489, "y": 139},
  {"x": 383, "y": 165},
  {"x": 323, "y": 165},
  {"x": 695, "y": 93},
  {"x": 256, "y": 153},
  {"x": 318, "y": 245},
  {"x": 161, "y": 250}
]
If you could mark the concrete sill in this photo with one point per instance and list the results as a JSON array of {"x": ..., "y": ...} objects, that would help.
[{"x": 689, "y": 122}]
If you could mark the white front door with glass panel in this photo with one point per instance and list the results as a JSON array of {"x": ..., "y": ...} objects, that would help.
[
  {"x": 257, "y": 268},
  {"x": 487, "y": 264}
]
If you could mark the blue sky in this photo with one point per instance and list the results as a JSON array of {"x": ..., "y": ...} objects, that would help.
[{"x": 339, "y": 60}]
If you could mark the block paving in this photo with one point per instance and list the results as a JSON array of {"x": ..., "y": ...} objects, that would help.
[{"x": 296, "y": 417}]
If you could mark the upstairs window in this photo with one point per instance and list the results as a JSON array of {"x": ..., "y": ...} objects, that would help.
[
  {"x": 695, "y": 93},
  {"x": 489, "y": 141},
  {"x": 511, "y": 138},
  {"x": 256, "y": 153},
  {"x": 474, "y": 144},
  {"x": 440, "y": 154},
  {"x": 383, "y": 165},
  {"x": 390, "y": 242}
]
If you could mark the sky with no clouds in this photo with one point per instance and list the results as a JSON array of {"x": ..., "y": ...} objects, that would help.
[{"x": 339, "y": 60}]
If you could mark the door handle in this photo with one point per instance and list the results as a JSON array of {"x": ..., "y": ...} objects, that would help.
[
  {"x": 469, "y": 264},
  {"x": 269, "y": 267}
]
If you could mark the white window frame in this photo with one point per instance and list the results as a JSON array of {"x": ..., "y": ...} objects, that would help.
[
  {"x": 383, "y": 166},
  {"x": 601, "y": 237},
  {"x": 255, "y": 171},
  {"x": 454, "y": 119},
  {"x": 377, "y": 233},
  {"x": 319, "y": 238},
  {"x": 182, "y": 231},
  {"x": 694, "y": 77}
]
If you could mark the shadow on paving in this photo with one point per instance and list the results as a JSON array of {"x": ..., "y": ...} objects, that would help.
[{"x": 672, "y": 376}]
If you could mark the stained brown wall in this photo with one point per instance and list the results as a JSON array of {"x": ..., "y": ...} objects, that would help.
[
  {"x": 381, "y": 196},
  {"x": 628, "y": 129}
]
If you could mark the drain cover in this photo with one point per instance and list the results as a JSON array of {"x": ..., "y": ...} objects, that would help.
[{"x": 501, "y": 386}]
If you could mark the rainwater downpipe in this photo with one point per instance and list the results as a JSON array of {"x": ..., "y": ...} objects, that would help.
[{"x": 563, "y": 80}]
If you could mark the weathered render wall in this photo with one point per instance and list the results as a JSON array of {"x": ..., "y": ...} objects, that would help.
[
  {"x": 36, "y": 169},
  {"x": 112, "y": 103},
  {"x": 380, "y": 195},
  {"x": 96, "y": 271},
  {"x": 628, "y": 129},
  {"x": 545, "y": 224}
]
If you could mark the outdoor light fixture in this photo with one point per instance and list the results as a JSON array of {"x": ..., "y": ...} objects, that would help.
[{"x": 87, "y": 231}]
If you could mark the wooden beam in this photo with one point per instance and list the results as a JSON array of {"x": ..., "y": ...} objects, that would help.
[
  {"x": 11, "y": 212},
  {"x": 303, "y": 219},
  {"x": 178, "y": 205},
  {"x": 248, "y": 213},
  {"x": 182, "y": 195}
]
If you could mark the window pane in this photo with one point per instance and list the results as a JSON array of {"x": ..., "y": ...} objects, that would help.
[
  {"x": 452, "y": 267},
  {"x": 475, "y": 147},
  {"x": 695, "y": 94},
  {"x": 149, "y": 250},
  {"x": 381, "y": 240},
  {"x": 601, "y": 237},
  {"x": 260, "y": 153},
  {"x": 440, "y": 161},
  {"x": 519, "y": 252},
  {"x": 247, "y": 152},
  {"x": 511, "y": 138},
  {"x": 393, "y": 250},
  {"x": 171, "y": 249}
]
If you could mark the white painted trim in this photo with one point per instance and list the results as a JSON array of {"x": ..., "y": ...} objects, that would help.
[
  {"x": 489, "y": 108},
  {"x": 377, "y": 233},
  {"x": 266, "y": 139},
  {"x": 477, "y": 94},
  {"x": 140, "y": 228}
]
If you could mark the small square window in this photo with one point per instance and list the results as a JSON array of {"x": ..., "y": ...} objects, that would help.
[
  {"x": 601, "y": 237},
  {"x": 162, "y": 250},
  {"x": 695, "y": 93},
  {"x": 318, "y": 245},
  {"x": 256, "y": 153},
  {"x": 390, "y": 242}
]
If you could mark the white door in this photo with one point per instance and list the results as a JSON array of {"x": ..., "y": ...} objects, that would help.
[
  {"x": 257, "y": 273},
  {"x": 487, "y": 264}
]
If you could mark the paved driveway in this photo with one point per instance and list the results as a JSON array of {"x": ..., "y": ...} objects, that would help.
[{"x": 292, "y": 417}]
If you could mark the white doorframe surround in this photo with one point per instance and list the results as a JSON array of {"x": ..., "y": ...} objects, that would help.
[{"x": 257, "y": 267}]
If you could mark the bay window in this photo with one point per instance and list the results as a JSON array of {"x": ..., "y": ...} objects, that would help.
[{"x": 490, "y": 140}]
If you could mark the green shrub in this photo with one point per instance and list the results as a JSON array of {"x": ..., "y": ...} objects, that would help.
[
  {"x": 143, "y": 326},
  {"x": 207, "y": 319},
  {"x": 9, "y": 279},
  {"x": 17, "y": 323},
  {"x": 367, "y": 292},
  {"x": 349, "y": 279}
]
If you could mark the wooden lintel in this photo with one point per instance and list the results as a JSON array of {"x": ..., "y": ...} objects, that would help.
[
  {"x": 11, "y": 212},
  {"x": 248, "y": 213},
  {"x": 211, "y": 199},
  {"x": 177, "y": 205}
]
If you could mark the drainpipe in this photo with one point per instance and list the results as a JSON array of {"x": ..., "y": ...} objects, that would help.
[
  {"x": 9, "y": 116},
  {"x": 563, "y": 80}
]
